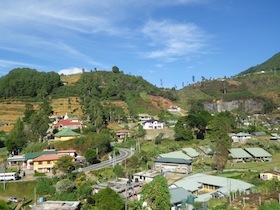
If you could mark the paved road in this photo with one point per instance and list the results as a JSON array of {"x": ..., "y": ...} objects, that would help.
[{"x": 124, "y": 154}]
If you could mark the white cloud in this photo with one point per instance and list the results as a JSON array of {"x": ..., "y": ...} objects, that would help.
[
  {"x": 73, "y": 70},
  {"x": 11, "y": 63},
  {"x": 173, "y": 40}
]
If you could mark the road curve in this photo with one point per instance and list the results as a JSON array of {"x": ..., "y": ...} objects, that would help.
[{"x": 124, "y": 154}]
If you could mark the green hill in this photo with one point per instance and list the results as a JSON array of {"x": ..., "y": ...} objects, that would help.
[{"x": 272, "y": 64}]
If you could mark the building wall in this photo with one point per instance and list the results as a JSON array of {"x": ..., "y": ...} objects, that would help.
[
  {"x": 43, "y": 166},
  {"x": 269, "y": 176},
  {"x": 64, "y": 138},
  {"x": 173, "y": 167}
]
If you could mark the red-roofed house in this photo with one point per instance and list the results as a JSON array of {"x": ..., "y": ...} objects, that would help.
[
  {"x": 66, "y": 123},
  {"x": 46, "y": 162}
]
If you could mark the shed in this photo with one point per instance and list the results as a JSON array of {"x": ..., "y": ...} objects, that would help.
[
  {"x": 259, "y": 154},
  {"x": 239, "y": 155}
]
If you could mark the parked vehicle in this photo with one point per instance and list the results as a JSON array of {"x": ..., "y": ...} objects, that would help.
[
  {"x": 13, "y": 199},
  {"x": 9, "y": 176}
]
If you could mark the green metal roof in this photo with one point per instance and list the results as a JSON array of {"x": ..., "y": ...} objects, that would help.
[
  {"x": 178, "y": 194},
  {"x": 66, "y": 132},
  {"x": 258, "y": 152},
  {"x": 175, "y": 154},
  {"x": 190, "y": 152},
  {"x": 173, "y": 160},
  {"x": 239, "y": 153},
  {"x": 28, "y": 156}
]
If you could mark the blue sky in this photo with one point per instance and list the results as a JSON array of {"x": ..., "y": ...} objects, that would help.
[{"x": 167, "y": 42}]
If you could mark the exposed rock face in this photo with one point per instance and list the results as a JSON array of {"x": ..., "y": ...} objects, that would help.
[{"x": 247, "y": 105}]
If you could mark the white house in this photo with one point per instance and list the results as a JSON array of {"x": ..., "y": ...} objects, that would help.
[
  {"x": 240, "y": 137},
  {"x": 152, "y": 124}
]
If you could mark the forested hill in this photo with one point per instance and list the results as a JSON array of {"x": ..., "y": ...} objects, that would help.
[
  {"x": 24, "y": 82},
  {"x": 272, "y": 64},
  {"x": 96, "y": 91}
]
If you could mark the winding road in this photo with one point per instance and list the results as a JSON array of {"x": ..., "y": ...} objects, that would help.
[{"x": 124, "y": 154}]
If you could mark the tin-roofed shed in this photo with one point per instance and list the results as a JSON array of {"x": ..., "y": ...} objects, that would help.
[{"x": 239, "y": 155}]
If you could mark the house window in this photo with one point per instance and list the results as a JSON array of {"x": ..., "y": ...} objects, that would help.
[
  {"x": 48, "y": 162},
  {"x": 40, "y": 162}
]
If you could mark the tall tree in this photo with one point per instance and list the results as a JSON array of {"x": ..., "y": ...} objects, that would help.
[
  {"x": 156, "y": 194},
  {"x": 64, "y": 164},
  {"x": 39, "y": 122},
  {"x": 16, "y": 140}
]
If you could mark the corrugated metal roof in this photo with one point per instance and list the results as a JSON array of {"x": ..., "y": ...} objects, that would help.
[
  {"x": 175, "y": 154},
  {"x": 258, "y": 152},
  {"x": 190, "y": 152},
  {"x": 66, "y": 132},
  {"x": 226, "y": 185},
  {"x": 239, "y": 153},
  {"x": 29, "y": 156},
  {"x": 178, "y": 194}
]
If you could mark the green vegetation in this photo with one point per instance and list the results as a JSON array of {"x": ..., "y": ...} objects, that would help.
[
  {"x": 25, "y": 82},
  {"x": 156, "y": 194}
]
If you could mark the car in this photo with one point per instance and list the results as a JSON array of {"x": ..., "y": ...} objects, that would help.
[{"x": 13, "y": 199}]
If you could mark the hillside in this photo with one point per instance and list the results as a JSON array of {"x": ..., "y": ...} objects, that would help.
[
  {"x": 272, "y": 64},
  {"x": 131, "y": 94},
  {"x": 256, "y": 88},
  {"x": 260, "y": 84}
]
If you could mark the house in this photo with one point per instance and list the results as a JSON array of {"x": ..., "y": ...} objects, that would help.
[
  {"x": 29, "y": 157},
  {"x": 65, "y": 134},
  {"x": 122, "y": 135},
  {"x": 152, "y": 124},
  {"x": 259, "y": 154},
  {"x": 240, "y": 137},
  {"x": 15, "y": 160},
  {"x": 123, "y": 187},
  {"x": 179, "y": 197},
  {"x": 46, "y": 162},
  {"x": 67, "y": 123},
  {"x": 239, "y": 155},
  {"x": 270, "y": 174},
  {"x": 144, "y": 117},
  {"x": 176, "y": 165},
  {"x": 204, "y": 187},
  {"x": 145, "y": 176},
  {"x": 192, "y": 153}
]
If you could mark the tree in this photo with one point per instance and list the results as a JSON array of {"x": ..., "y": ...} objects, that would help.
[
  {"x": 105, "y": 195},
  {"x": 16, "y": 140},
  {"x": 200, "y": 121},
  {"x": 91, "y": 156},
  {"x": 29, "y": 110},
  {"x": 159, "y": 138},
  {"x": 156, "y": 194},
  {"x": 182, "y": 131},
  {"x": 220, "y": 157},
  {"x": 65, "y": 164},
  {"x": 115, "y": 69},
  {"x": 64, "y": 186},
  {"x": 84, "y": 191},
  {"x": 118, "y": 170}
]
